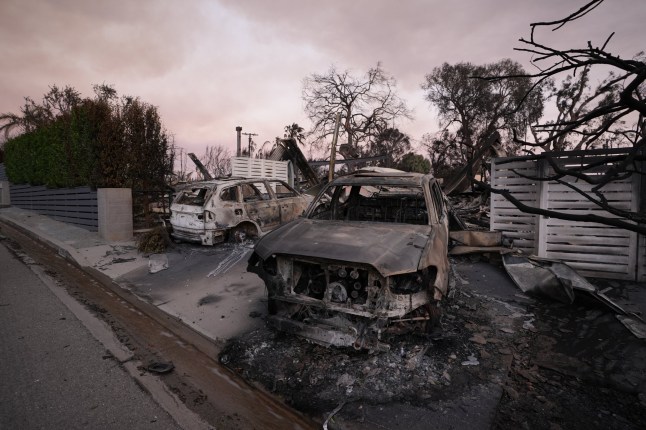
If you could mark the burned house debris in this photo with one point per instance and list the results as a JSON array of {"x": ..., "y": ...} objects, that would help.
[
  {"x": 368, "y": 258},
  {"x": 557, "y": 280},
  {"x": 212, "y": 211}
]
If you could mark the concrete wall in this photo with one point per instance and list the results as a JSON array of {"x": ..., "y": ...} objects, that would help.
[{"x": 115, "y": 213}]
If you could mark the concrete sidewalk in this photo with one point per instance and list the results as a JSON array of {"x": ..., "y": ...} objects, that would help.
[
  {"x": 207, "y": 288},
  {"x": 81, "y": 246}
]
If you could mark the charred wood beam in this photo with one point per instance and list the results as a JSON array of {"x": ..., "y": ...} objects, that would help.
[
  {"x": 200, "y": 167},
  {"x": 351, "y": 161}
]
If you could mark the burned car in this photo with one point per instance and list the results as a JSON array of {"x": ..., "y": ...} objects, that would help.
[
  {"x": 369, "y": 257},
  {"x": 212, "y": 211}
]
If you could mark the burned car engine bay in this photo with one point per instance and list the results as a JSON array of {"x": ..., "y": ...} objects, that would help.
[{"x": 368, "y": 259}]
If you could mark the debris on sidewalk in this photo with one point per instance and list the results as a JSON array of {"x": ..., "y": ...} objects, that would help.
[
  {"x": 316, "y": 378},
  {"x": 157, "y": 263},
  {"x": 239, "y": 252},
  {"x": 471, "y": 361},
  {"x": 472, "y": 209},
  {"x": 160, "y": 367},
  {"x": 155, "y": 240},
  {"x": 636, "y": 327},
  {"x": 533, "y": 278},
  {"x": 332, "y": 414}
]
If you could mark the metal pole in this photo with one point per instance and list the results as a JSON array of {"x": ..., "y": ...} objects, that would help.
[
  {"x": 330, "y": 174},
  {"x": 249, "y": 147},
  {"x": 238, "y": 131}
]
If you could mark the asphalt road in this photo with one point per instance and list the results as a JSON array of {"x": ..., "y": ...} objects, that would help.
[{"x": 54, "y": 374}]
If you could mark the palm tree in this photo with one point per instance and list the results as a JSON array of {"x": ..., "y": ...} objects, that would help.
[
  {"x": 10, "y": 122},
  {"x": 56, "y": 102},
  {"x": 296, "y": 132}
]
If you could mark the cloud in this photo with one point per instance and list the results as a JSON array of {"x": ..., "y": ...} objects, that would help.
[
  {"x": 212, "y": 65},
  {"x": 130, "y": 38}
]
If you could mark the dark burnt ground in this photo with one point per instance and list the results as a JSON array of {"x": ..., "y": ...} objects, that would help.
[
  {"x": 506, "y": 361},
  {"x": 579, "y": 369},
  {"x": 417, "y": 371}
]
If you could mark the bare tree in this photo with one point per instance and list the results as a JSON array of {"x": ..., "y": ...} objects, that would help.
[
  {"x": 444, "y": 153},
  {"x": 217, "y": 160},
  {"x": 628, "y": 75},
  {"x": 368, "y": 105},
  {"x": 598, "y": 122},
  {"x": 182, "y": 174},
  {"x": 574, "y": 98},
  {"x": 295, "y": 131}
]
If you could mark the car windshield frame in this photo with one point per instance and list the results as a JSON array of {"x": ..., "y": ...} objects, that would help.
[
  {"x": 193, "y": 196},
  {"x": 397, "y": 201}
]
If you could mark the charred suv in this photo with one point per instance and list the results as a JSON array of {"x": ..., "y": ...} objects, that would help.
[
  {"x": 369, "y": 257},
  {"x": 209, "y": 212}
]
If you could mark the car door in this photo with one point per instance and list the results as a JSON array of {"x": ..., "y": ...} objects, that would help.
[
  {"x": 228, "y": 207},
  {"x": 290, "y": 202},
  {"x": 260, "y": 205}
]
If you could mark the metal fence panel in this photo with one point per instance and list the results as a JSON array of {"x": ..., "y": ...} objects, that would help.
[{"x": 76, "y": 206}]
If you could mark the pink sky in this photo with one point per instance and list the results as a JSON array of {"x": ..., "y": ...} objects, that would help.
[{"x": 212, "y": 65}]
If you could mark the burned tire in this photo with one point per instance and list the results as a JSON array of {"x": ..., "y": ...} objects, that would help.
[{"x": 242, "y": 232}]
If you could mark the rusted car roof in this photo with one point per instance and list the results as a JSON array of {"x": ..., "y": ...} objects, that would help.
[{"x": 376, "y": 178}]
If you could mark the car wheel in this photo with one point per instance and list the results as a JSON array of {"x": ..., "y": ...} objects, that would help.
[{"x": 242, "y": 232}]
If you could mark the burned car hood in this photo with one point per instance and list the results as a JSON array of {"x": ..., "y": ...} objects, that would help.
[{"x": 389, "y": 248}]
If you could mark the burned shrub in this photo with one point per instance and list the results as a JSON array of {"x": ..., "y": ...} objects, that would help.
[{"x": 153, "y": 241}]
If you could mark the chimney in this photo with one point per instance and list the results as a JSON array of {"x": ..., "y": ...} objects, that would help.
[{"x": 239, "y": 151}]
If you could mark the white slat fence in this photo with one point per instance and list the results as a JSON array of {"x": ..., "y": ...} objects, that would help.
[
  {"x": 593, "y": 249},
  {"x": 259, "y": 168}
]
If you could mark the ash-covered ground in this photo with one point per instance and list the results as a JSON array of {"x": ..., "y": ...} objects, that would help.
[{"x": 504, "y": 360}]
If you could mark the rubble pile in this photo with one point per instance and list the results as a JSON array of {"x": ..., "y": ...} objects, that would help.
[
  {"x": 578, "y": 368},
  {"x": 416, "y": 370},
  {"x": 472, "y": 208},
  {"x": 542, "y": 364}
]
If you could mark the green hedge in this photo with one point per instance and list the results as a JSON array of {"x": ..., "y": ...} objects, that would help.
[
  {"x": 98, "y": 143},
  {"x": 57, "y": 155}
]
